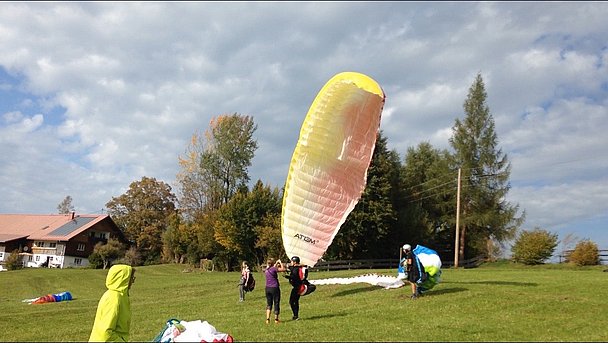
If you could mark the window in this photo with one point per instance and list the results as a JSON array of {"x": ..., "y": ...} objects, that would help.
[
  {"x": 77, "y": 261},
  {"x": 38, "y": 258},
  {"x": 80, "y": 247},
  {"x": 30, "y": 258},
  {"x": 1, "y": 256},
  {"x": 40, "y": 244},
  {"x": 53, "y": 245},
  {"x": 50, "y": 258}
]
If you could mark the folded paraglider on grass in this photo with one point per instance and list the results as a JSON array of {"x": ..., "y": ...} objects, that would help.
[
  {"x": 176, "y": 330},
  {"x": 50, "y": 298}
]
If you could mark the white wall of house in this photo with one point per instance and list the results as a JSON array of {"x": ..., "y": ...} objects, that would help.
[
  {"x": 75, "y": 262},
  {"x": 53, "y": 251},
  {"x": 35, "y": 260}
]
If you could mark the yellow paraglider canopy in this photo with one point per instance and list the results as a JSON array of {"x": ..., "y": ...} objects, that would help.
[{"x": 328, "y": 169}]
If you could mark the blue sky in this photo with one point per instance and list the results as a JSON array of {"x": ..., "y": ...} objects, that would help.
[{"x": 95, "y": 95}]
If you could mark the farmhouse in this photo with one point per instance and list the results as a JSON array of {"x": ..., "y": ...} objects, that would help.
[{"x": 54, "y": 240}]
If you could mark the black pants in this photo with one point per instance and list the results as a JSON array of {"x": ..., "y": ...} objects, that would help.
[
  {"x": 273, "y": 297},
  {"x": 294, "y": 301}
]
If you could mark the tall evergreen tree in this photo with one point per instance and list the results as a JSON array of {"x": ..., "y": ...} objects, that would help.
[
  {"x": 427, "y": 212},
  {"x": 485, "y": 170}
]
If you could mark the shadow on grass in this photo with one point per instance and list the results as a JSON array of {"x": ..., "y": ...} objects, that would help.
[
  {"x": 445, "y": 291},
  {"x": 341, "y": 314},
  {"x": 357, "y": 290},
  {"x": 434, "y": 292},
  {"x": 500, "y": 283}
]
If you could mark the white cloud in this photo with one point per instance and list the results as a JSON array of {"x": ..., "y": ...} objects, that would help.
[{"x": 111, "y": 92}]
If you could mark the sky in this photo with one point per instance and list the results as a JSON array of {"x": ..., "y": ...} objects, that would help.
[{"x": 97, "y": 95}]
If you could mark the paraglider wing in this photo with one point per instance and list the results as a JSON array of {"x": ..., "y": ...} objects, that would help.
[
  {"x": 50, "y": 298},
  {"x": 384, "y": 281},
  {"x": 431, "y": 262},
  {"x": 328, "y": 169}
]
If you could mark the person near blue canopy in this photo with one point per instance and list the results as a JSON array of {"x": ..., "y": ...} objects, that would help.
[{"x": 413, "y": 269}]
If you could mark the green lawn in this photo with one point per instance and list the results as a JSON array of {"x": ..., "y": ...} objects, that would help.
[{"x": 498, "y": 302}]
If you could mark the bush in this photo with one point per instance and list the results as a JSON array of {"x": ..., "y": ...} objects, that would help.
[
  {"x": 132, "y": 257},
  {"x": 534, "y": 247},
  {"x": 95, "y": 261},
  {"x": 585, "y": 253},
  {"x": 13, "y": 261}
]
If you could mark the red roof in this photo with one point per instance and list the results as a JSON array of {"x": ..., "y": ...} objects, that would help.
[{"x": 59, "y": 227}]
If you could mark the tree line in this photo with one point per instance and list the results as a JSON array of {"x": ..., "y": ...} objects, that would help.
[{"x": 214, "y": 215}]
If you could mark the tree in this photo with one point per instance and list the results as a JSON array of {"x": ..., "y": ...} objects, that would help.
[
  {"x": 13, "y": 261},
  {"x": 65, "y": 206},
  {"x": 206, "y": 245},
  {"x": 132, "y": 257},
  {"x": 269, "y": 237},
  {"x": 109, "y": 251},
  {"x": 485, "y": 214},
  {"x": 174, "y": 242},
  {"x": 194, "y": 190},
  {"x": 231, "y": 149},
  {"x": 534, "y": 247},
  {"x": 241, "y": 217},
  {"x": 428, "y": 209},
  {"x": 188, "y": 241},
  {"x": 213, "y": 170},
  {"x": 143, "y": 214}
]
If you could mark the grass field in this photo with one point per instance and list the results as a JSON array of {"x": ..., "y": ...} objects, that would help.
[{"x": 496, "y": 302}]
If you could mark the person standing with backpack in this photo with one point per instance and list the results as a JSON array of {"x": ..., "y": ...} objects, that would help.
[
  {"x": 245, "y": 275},
  {"x": 414, "y": 271},
  {"x": 273, "y": 290},
  {"x": 298, "y": 278}
]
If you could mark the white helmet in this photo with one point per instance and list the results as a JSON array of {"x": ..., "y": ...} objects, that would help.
[{"x": 407, "y": 247}]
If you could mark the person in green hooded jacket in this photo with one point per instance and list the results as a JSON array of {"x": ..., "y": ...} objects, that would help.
[{"x": 113, "y": 317}]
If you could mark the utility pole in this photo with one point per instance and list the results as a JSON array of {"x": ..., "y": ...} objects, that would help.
[{"x": 457, "y": 243}]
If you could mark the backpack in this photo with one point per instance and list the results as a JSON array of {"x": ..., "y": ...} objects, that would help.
[{"x": 250, "y": 285}]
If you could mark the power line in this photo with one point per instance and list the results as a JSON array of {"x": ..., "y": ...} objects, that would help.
[
  {"x": 425, "y": 182},
  {"x": 443, "y": 184},
  {"x": 429, "y": 189}
]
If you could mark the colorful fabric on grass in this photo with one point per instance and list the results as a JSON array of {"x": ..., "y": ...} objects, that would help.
[{"x": 50, "y": 298}]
